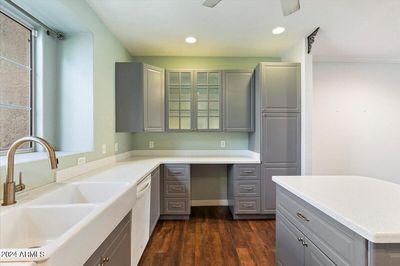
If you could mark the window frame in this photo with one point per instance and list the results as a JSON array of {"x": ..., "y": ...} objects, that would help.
[{"x": 33, "y": 33}]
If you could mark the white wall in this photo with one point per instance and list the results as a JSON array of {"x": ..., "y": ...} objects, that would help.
[
  {"x": 356, "y": 119},
  {"x": 299, "y": 54}
]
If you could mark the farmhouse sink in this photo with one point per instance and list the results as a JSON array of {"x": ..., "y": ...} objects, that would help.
[
  {"x": 81, "y": 193},
  {"x": 37, "y": 226}
]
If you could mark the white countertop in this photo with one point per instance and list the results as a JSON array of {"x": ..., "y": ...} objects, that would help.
[
  {"x": 368, "y": 206},
  {"x": 129, "y": 170}
]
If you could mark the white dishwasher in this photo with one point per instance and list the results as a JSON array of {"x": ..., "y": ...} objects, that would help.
[{"x": 140, "y": 220}]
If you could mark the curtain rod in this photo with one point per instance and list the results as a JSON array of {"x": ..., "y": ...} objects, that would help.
[{"x": 51, "y": 32}]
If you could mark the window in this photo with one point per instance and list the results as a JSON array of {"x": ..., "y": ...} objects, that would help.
[{"x": 15, "y": 82}]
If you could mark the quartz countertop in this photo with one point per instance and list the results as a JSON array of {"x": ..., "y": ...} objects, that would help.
[{"x": 368, "y": 206}]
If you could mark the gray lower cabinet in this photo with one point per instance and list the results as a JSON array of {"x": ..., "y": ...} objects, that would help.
[
  {"x": 293, "y": 248},
  {"x": 280, "y": 138},
  {"x": 175, "y": 191},
  {"x": 238, "y": 94},
  {"x": 139, "y": 97},
  {"x": 280, "y": 85},
  {"x": 116, "y": 249},
  {"x": 268, "y": 187},
  {"x": 325, "y": 241},
  {"x": 155, "y": 199},
  {"x": 244, "y": 195}
]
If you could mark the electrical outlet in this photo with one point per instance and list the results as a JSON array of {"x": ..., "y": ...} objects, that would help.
[
  {"x": 104, "y": 149},
  {"x": 222, "y": 143},
  {"x": 116, "y": 147},
  {"x": 151, "y": 144},
  {"x": 81, "y": 160}
]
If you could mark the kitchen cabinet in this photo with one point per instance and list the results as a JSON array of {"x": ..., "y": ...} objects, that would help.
[
  {"x": 175, "y": 191},
  {"x": 154, "y": 199},
  {"x": 325, "y": 241},
  {"x": 179, "y": 100},
  {"x": 139, "y": 97},
  {"x": 238, "y": 88},
  {"x": 280, "y": 85},
  {"x": 293, "y": 248},
  {"x": 268, "y": 187},
  {"x": 208, "y": 100},
  {"x": 280, "y": 138},
  {"x": 116, "y": 249},
  {"x": 244, "y": 190},
  {"x": 194, "y": 100}
]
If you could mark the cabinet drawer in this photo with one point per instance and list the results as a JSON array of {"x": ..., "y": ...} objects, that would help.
[
  {"x": 339, "y": 243},
  {"x": 247, "y": 188},
  {"x": 247, "y": 171},
  {"x": 176, "y": 206},
  {"x": 247, "y": 205},
  {"x": 176, "y": 189},
  {"x": 176, "y": 171}
]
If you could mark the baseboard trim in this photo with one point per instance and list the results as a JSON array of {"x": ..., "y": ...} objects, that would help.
[{"x": 209, "y": 203}]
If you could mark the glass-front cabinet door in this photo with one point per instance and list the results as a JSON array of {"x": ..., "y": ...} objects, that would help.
[
  {"x": 180, "y": 98},
  {"x": 208, "y": 100}
]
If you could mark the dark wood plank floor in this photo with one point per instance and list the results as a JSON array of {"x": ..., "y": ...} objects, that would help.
[{"x": 211, "y": 237}]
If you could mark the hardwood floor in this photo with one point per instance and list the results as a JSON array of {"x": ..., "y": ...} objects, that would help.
[{"x": 211, "y": 237}]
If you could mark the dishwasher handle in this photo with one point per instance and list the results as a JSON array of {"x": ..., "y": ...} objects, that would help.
[{"x": 143, "y": 186}]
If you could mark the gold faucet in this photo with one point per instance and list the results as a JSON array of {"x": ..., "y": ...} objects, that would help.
[{"x": 9, "y": 186}]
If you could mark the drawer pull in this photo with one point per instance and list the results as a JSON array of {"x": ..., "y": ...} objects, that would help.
[
  {"x": 248, "y": 188},
  {"x": 248, "y": 171},
  {"x": 176, "y": 205},
  {"x": 177, "y": 172},
  {"x": 301, "y": 216},
  {"x": 247, "y": 205},
  {"x": 305, "y": 243},
  {"x": 176, "y": 188},
  {"x": 300, "y": 239}
]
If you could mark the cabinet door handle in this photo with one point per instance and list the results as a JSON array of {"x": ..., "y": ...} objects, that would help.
[
  {"x": 301, "y": 216},
  {"x": 305, "y": 243},
  {"x": 248, "y": 171},
  {"x": 300, "y": 239}
]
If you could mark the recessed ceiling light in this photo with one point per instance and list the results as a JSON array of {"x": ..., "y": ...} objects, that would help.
[
  {"x": 190, "y": 40},
  {"x": 278, "y": 30}
]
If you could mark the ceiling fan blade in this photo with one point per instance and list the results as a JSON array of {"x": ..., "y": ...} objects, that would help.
[
  {"x": 211, "y": 3},
  {"x": 290, "y": 6}
]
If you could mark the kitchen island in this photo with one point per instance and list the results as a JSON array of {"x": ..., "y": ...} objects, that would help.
[{"x": 337, "y": 220}]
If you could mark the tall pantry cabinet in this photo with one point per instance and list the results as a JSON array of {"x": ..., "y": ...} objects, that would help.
[{"x": 277, "y": 133}]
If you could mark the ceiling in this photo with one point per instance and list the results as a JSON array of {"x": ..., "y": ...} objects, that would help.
[{"x": 349, "y": 28}]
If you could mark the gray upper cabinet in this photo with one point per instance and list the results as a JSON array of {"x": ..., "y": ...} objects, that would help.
[
  {"x": 139, "y": 97},
  {"x": 179, "y": 100},
  {"x": 238, "y": 100},
  {"x": 280, "y": 138},
  {"x": 280, "y": 87},
  {"x": 208, "y": 100}
]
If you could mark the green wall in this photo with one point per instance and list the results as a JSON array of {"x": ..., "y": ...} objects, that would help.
[
  {"x": 106, "y": 51},
  {"x": 196, "y": 140}
]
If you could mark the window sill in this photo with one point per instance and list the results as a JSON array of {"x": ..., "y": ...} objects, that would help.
[{"x": 21, "y": 158}]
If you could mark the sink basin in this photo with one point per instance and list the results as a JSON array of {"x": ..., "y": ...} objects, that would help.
[
  {"x": 79, "y": 193},
  {"x": 37, "y": 226}
]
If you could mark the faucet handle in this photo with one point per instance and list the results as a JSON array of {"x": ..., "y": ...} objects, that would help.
[{"x": 20, "y": 185}]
